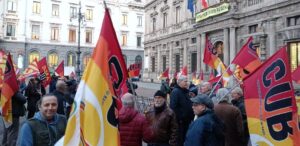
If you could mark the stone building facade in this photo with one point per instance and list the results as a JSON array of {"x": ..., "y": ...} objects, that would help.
[
  {"x": 174, "y": 37},
  {"x": 49, "y": 28}
]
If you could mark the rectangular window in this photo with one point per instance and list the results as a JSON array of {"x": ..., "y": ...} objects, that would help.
[
  {"x": 89, "y": 14},
  {"x": 164, "y": 63},
  {"x": 165, "y": 20},
  {"x": 139, "y": 41},
  {"x": 177, "y": 19},
  {"x": 55, "y": 10},
  {"x": 72, "y": 35},
  {"x": 54, "y": 33},
  {"x": 36, "y": 7},
  {"x": 140, "y": 20},
  {"x": 88, "y": 36},
  {"x": 73, "y": 12},
  {"x": 194, "y": 62},
  {"x": 11, "y": 6},
  {"x": 10, "y": 30},
  {"x": 294, "y": 54},
  {"x": 292, "y": 21},
  {"x": 177, "y": 62},
  {"x": 153, "y": 64},
  {"x": 194, "y": 40},
  {"x": 124, "y": 39},
  {"x": 177, "y": 43},
  {"x": 253, "y": 28},
  {"x": 153, "y": 24},
  {"x": 124, "y": 19},
  {"x": 35, "y": 32}
]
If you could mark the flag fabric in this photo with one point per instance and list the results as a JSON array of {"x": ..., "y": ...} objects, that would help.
[
  {"x": 175, "y": 74},
  {"x": 183, "y": 71},
  {"x": 134, "y": 70},
  {"x": 195, "y": 81},
  {"x": 31, "y": 71},
  {"x": 204, "y": 4},
  {"x": 45, "y": 76},
  {"x": 296, "y": 75},
  {"x": 247, "y": 58},
  {"x": 93, "y": 117},
  {"x": 164, "y": 75},
  {"x": 211, "y": 75},
  {"x": 270, "y": 103},
  {"x": 215, "y": 82},
  {"x": 191, "y": 6},
  {"x": 60, "y": 69},
  {"x": 9, "y": 88}
]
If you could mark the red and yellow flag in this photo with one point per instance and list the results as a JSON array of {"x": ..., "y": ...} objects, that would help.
[
  {"x": 270, "y": 103},
  {"x": 60, "y": 69},
  {"x": 31, "y": 71},
  {"x": 134, "y": 70},
  {"x": 93, "y": 117},
  {"x": 296, "y": 75},
  {"x": 9, "y": 88},
  {"x": 164, "y": 75}
]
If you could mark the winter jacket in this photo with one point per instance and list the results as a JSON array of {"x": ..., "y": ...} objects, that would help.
[
  {"x": 181, "y": 104},
  {"x": 206, "y": 130},
  {"x": 133, "y": 128},
  {"x": 164, "y": 126},
  {"x": 232, "y": 118},
  {"x": 32, "y": 97},
  {"x": 61, "y": 99},
  {"x": 18, "y": 101},
  {"x": 45, "y": 133},
  {"x": 241, "y": 106}
]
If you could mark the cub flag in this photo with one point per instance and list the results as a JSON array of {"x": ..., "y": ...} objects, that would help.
[
  {"x": 9, "y": 88},
  {"x": 296, "y": 75},
  {"x": 31, "y": 71},
  {"x": 270, "y": 103},
  {"x": 134, "y": 70},
  {"x": 60, "y": 69},
  {"x": 45, "y": 76},
  {"x": 93, "y": 118}
]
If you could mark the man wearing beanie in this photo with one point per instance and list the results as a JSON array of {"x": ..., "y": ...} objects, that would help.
[{"x": 163, "y": 122}]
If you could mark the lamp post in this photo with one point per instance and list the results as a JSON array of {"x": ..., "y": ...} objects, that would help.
[{"x": 80, "y": 18}]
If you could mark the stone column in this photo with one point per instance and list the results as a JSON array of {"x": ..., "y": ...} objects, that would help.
[
  {"x": 272, "y": 30},
  {"x": 226, "y": 46},
  {"x": 158, "y": 58},
  {"x": 202, "y": 47},
  {"x": 198, "y": 47},
  {"x": 185, "y": 48},
  {"x": 170, "y": 47},
  {"x": 232, "y": 43}
]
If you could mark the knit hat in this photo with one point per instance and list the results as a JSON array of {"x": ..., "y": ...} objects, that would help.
[
  {"x": 203, "y": 99},
  {"x": 194, "y": 90},
  {"x": 160, "y": 93}
]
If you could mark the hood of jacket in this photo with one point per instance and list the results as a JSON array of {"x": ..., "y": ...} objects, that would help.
[
  {"x": 41, "y": 118},
  {"x": 127, "y": 114}
]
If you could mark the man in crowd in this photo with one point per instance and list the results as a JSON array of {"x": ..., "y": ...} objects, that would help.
[
  {"x": 163, "y": 121},
  {"x": 133, "y": 127},
  {"x": 181, "y": 104},
  {"x": 60, "y": 93},
  {"x": 207, "y": 129},
  {"x": 46, "y": 127}
]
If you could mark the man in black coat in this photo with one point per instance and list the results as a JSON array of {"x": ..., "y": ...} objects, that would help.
[
  {"x": 10, "y": 134},
  {"x": 181, "y": 104}
]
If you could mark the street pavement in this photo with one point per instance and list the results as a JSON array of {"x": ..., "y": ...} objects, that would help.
[{"x": 144, "y": 92}]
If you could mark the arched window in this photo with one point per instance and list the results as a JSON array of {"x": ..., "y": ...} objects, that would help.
[
  {"x": 71, "y": 59},
  {"x": 20, "y": 61},
  {"x": 34, "y": 55},
  {"x": 86, "y": 60},
  {"x": 138, "y": 59},
  {"x": 52, "y": 59}
]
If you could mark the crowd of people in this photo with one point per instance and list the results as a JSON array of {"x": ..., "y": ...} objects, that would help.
[
  {"x": 181, "y": 114},
  {"x": 46, "y": 113}
]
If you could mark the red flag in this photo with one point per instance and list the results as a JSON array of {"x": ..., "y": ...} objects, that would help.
[
  {"x": 247, "y": 57},
  {"x": 164, "y": 75},
  {"x": 134, "y": 70},
  {"x": 204, "y": 4},
  {"x": 183, "y": 71},
  {"x": 44, "y": 72},
  {"x": 60, "y": 69},
  {"x": 296, "y": 75},
  {"x": 31, "y": 71},
  {"x": 175, "y": 74},
  {"x": 9, "y": 88},
  {"x": 270, "y": 102},
  {"x": 214, "y": 81},
  {"x": 211, "y": 75},
  {"x": 209, "y": 57},
  {"x": 73, "y": 75}
]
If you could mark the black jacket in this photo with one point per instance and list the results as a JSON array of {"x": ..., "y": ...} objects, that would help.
[{"x": 18, "y": 101}]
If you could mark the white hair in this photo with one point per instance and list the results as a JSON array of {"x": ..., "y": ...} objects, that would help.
[
  {"x": 128, "y": 100},
  {"x": 238, "y": 90},
  {"x": 181, "y": 78},
  {"x": 223, "y": 95}
]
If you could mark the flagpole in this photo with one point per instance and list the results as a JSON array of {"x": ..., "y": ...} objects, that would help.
[
  {"x": 229, "y": 91},
  {"x": 219, "y": 81},
  {"x": 104, "y": 2}
]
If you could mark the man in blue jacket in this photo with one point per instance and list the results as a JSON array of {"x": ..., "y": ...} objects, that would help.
[
  {"x": 46, "y": 127},
  {"x": 207, "y": 129}
]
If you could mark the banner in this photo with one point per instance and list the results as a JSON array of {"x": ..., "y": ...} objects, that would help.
[
  {"x": 45, "y": 76},
  {"x": 134, "y": 70},
  {"x": 9, "y": 88},
  {"x": 93, "y": 117},
  {"x": 270, "y": 103},
  {"x": 212, "y": 12}
]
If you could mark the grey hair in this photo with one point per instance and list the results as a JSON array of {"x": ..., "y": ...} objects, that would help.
[
  {"x": 238, "y": 90},
  {"x": 208, "y": 84},
  {"x": 128, "y": 100},
  {"x": 181, "y": 78},
  {"x": 223, "y": 95}
]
